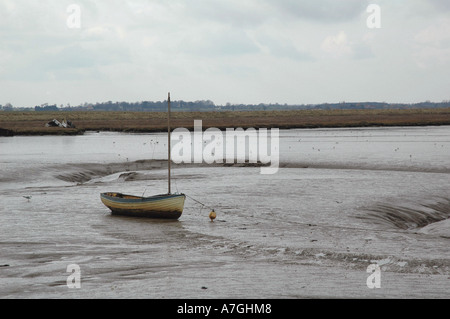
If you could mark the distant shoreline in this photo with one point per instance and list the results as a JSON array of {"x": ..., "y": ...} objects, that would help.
[{"x": 33, "y": 123}]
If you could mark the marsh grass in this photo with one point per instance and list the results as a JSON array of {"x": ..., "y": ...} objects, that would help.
[{"x": 33, "y": 123}]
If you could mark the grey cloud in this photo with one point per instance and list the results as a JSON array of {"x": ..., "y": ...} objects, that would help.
[
  {"x": 327, "y": 11},
  {"x": 235, "y": 13},
  {"x": 282, "y": 48},
  {"x": 67, "y": 63},
  {"x": 76, "y": 56},
  {"x": 252, "y": 12},
  {"x": 229, "y": 42},
  {"x": 443, "y": 5}
]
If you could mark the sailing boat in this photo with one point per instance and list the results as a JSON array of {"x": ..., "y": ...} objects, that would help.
[{"x": 166, "y": 206}]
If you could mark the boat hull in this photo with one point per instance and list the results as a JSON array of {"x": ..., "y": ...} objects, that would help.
[{"x": 167, "y": 206}]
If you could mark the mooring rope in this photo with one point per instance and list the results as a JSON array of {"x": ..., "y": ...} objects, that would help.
[
  {"x": 204, "y": 205},
  {"x": 212, "y": 214}
]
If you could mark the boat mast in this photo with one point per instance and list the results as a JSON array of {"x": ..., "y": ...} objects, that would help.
[{"x": 168, "y": 131}]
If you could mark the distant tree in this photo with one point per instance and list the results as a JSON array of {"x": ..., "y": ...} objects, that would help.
[
  {"x": 8, "y": 107},
  {"x": 46, "y": 107}
]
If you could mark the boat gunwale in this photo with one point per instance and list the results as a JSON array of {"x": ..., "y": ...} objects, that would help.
[{"x": 138, "y": 199}]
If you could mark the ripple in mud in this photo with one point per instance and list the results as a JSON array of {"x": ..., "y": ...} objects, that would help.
[
  {"x": 127, "y": 171},
  {"x": 409, "y": 217}
]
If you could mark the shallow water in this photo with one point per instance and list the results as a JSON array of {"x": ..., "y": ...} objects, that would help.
[{"x": 342, "y": 200}]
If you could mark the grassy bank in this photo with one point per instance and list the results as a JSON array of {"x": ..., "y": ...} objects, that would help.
[{"x": 33, "y": 123}]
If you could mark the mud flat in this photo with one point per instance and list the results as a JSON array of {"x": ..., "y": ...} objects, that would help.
[{"x": 342, "y": 200}]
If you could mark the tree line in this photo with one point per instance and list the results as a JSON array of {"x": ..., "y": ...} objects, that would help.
[{"x": 208, "y": 105}]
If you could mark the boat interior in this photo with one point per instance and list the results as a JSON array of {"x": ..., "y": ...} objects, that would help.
[{"x": 119, "y": 195}]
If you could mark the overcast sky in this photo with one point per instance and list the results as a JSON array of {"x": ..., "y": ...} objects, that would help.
[{"x": 236, "y": 51}]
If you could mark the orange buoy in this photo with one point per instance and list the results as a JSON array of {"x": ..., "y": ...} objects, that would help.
[{"x": 212, "y": 215}]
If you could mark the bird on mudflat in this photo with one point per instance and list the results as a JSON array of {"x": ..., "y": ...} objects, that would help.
[{"x": 27, "y": 197}]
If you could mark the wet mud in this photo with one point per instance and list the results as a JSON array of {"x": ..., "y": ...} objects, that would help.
[{"x": 309, "y": 231}]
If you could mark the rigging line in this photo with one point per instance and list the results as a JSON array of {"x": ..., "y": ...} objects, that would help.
[
  {"x": 176, "y": 185},
  {"x": 199, "y": 202}
]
